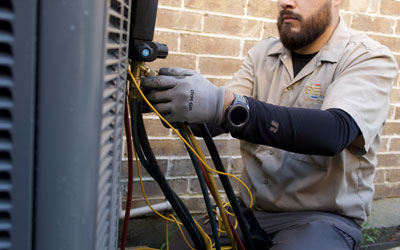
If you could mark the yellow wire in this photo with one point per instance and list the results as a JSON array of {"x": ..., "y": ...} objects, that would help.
[
  {"x": 143, "y": 193},
  {"x": 174, "y": 220},
  {"x": 213, "y": 185},
  {"x": 203, "y": 234},
  {"x": 186, "y": 143},
  {"x": 146, "y": 248},
  {"x": 166, "y": 234},
  {"x": 180, "y": 229},
  {"x": 206, "y": 238},
  {"x": 231, "y": 214}
]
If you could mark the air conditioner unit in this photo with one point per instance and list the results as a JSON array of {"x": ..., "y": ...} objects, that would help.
[{"x": 62, "y": 87}]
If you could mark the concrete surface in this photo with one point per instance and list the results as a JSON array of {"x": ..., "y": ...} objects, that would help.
[{"x": 385, "y": 213}]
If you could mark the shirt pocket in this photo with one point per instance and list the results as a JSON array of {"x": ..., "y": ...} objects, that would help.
[{"x": 312, "y": 94}]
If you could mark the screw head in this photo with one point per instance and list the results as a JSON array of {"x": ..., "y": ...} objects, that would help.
[{"x": 145, "y": 52}]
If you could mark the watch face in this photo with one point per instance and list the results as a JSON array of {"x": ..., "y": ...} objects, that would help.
[{"x": 237, "y": 115}]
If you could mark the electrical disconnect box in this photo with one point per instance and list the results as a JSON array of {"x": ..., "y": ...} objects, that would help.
[{"x": 62, "y": 87}]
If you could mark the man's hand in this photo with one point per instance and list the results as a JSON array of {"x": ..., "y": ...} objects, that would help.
[{"x": 183, "y": 95}]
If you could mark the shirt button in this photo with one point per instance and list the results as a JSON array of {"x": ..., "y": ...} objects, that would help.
[
  {"x": 284, "y": 56},
  {"x": 289, "y": 88},
  {"x": 271, "y": 151}
]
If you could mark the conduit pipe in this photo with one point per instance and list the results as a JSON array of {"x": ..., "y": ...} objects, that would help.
[{"x": 146, "y": 210}]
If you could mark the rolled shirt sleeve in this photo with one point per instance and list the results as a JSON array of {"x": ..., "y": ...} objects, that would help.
[{"x": 362, "y": 89}]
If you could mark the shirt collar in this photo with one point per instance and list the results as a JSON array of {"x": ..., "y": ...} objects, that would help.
[{"x": 331, "y": 50}]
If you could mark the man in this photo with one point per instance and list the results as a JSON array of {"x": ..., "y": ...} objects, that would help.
[{"x": 318, "y": 99}]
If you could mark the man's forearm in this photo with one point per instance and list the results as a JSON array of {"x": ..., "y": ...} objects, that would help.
[{"x": 300, "y": 130}]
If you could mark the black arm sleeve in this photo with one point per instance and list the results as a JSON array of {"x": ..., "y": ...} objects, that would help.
[
  {"x": 300, "y": 130},
  {"x": 214, "y": 129}
]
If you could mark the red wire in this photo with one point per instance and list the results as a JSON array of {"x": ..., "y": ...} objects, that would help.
[
  {"x": 234, "y": 232},
  {"x": 130, "y": 174},
  {"x": 130, "y": 183}
]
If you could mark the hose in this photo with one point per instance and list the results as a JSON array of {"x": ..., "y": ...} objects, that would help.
[
  {"x": 232, "y": 234},
  {"x": 204, "y": 190},
  {"x": 151, "y": 165},
  {"x": 227, "y": 186}
]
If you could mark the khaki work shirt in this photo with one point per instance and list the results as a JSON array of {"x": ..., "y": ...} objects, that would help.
[{"x": 351, "y": 72}]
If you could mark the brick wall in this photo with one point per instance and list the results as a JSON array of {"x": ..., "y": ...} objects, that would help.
[{"x": 213, "y": 37}]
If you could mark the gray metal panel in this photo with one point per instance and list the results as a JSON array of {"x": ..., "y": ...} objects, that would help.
[
  {"x": 113, "y": 107},
  {"x": 80, "y": 111},
  {"x": 17, "y": 104}
]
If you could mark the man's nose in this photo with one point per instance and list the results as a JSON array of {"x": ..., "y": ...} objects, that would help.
[{"x": 286, "y": 4}]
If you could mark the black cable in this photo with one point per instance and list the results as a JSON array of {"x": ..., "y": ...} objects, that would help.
[
  {"x": 134, "y": 109},
  {"x": 227, "y": 186},
  {"x": 176, "y": 203},
  {"x": 204, "y": 189}
]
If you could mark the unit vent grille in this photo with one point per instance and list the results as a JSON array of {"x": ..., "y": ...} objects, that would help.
[
  {"x": 6, "y": 121},
  {"x": 118, "y": 12}
]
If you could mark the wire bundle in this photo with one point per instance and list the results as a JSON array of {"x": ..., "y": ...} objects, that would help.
[{"x": 144, "y": 153}]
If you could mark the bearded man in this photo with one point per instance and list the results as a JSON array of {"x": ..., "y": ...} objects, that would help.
[{"x": 309, "y": 108}]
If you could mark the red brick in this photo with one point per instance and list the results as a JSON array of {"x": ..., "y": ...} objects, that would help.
[
  {"x": 384, "y": 145},
  {"x": 232, "y": 26},
  {"x": 392, "y": 110},
  {"x": 140, "y": 202},
  {"x": 387, "y": 190},
  {"x": 394, "y": 144},
  {"x": 175, "y": 60},
  {"x": 380, "y": 176},
  {"x": 154, "y": 127},
  {"x": 397, "y": 57},
  {"x": 393, "y": 43},
  {"x": 180, "y": 186},
  {"x": 397, "y": 114},
  {"x": 182, "y": 167},
  {"x": 194, "y": 186},
  {"x": 124, "y": 169},
  {"x": 232, "y": 7},
  {"x": 218, "y": 81},
  {"x": 397, "y": 28},
  {"x": 372, "y": 23},
  {"x": 248, "y": 44},
  {"x": 270, "y": 29},
  {"x": 392, "y": 128},
  {"x": 195, "y": 204},
  {"x": 346, "y": 17},
  {"x": 168, "y": 38},
  {"x": 168, "y": 147},
  {"x": 174, "y": 3},
  {"x": 351, "y": 5},
  {"x": 396, "y": 80},
  {"x": 388, "y": 160},
  {"x": 390, "y": 7},
  {"x": 209, "y": 45},
  {"x": 395, "y": 96},
  {"x": 393, "y": 175},
  {"x": 151, "y": 189},
  {"x": 236, "y": 166},
  {"x": 219, "y": 66},
  {"x": 179, "y": 20},
  {"x": 262, "y": 8}
]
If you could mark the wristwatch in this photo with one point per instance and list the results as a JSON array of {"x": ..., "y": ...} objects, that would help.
[{"x": 237, "y": 114}]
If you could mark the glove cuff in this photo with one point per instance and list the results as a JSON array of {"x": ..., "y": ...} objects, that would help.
[{"x": 220, "y": 95}]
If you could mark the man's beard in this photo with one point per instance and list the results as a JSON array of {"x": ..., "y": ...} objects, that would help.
[{"x": 310, "y": 29}]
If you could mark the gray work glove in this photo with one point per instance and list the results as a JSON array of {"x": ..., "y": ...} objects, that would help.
[{"x": 183, "y": 95}]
